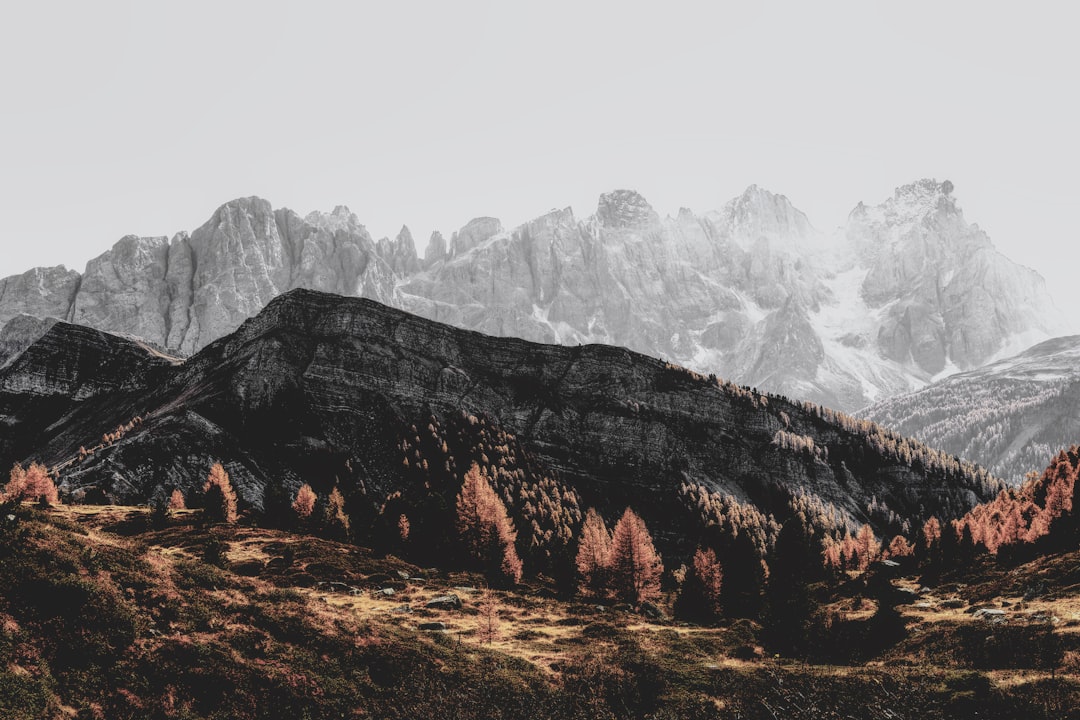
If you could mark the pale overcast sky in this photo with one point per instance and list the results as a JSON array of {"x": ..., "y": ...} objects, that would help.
[{"x": 142, "y": 118}]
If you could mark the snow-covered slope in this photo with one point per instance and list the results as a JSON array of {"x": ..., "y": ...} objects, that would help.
[
  {"x": 907, "y": 291},
  {"x": 1010, "y": 416}
]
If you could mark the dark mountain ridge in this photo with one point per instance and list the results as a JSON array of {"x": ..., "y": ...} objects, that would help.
[{"x": 330, "y": 390}]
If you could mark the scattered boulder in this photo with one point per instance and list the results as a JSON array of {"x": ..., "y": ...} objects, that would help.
[
  {"x": 444, "y": 602},
  {"x": 337, "y": 586},
  {"x": 990, "y": 615},
  {"x": 385, "y": 593},
  {"x": 402, "y": 574},
  {"x": 406, "y": 608}
]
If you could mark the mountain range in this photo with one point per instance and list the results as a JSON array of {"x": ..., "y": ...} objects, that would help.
[
  {"x": 1011, "y": 415},
  {"x": 906, "y": 292},
  {"x": 350, "y": 393}
]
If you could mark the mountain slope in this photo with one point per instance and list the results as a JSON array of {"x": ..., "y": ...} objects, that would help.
[
  {"x": 1009, "y": 416},
  {"x": 905, "y": 292},
  {"x": 329, "y": 390}
]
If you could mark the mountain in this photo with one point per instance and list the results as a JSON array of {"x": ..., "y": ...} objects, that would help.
[
  {"x": 330, "y": 390},
  {"x": 906, "y": 292},
  {"x": 1009, "y": 416}
]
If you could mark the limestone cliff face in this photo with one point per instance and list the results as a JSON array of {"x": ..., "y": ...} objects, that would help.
[
  {"x": 946, "y": 294},
  {"x": 318, "y": 386},
  {"x": 43, "y": 292},
  {"x": 752, "y": 292},
  {"x": 126, "y": 289},
  {"x": 399, "y": 254},
  {"x": 699, "y": 290},
  {"x": 185, "y": 293}
]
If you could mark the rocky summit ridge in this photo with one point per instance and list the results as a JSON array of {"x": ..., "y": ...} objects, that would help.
[
  {"x": 905, "y": 292},
  {"x": 330, "y": 390}
]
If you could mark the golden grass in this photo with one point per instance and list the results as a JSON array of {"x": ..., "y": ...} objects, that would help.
[{"x": 542, "y": 632}]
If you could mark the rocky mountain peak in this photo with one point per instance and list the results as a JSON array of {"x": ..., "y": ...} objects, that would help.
[
  {"x": 338, "y": 219},
  {"x": 246, "y": 205},
  {"x": 624, "y": 209},
  {"x": 917, "y": 202},
  {"x": 476, "y": 232},
  {"x": 400, "y": 254},
  {"x": 947, "y": 297},
  {"x": 43, "y": 292},
  {"x": 915, "y": 291},
  {"x": 759, "y": 213},
  {"x": 436, "y": 249}
]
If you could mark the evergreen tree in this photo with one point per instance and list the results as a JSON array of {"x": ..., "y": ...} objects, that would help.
[
  {"x": 788, "y": 602},
  {"x": 699, "y": 596},
  {"x": 744, "y": 572}
]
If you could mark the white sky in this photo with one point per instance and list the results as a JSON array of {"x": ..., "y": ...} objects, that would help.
[{"x": 142, "y": 118}]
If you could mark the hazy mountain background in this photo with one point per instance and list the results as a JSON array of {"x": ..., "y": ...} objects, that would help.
[
  {"x": 1010, "y": 415},
  {"x": 906, "y": 292}
]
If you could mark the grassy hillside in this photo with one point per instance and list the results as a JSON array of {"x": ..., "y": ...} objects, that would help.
[{"x": 103, "y": 616}]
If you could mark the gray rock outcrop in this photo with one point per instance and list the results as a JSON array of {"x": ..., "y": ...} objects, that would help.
[{"x": 43, "y": 292}]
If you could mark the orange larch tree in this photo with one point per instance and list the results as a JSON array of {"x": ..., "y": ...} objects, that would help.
[
  {"x": 304, "y": 504},
  {"x": 485, "y": 528},
  {"x": 635, "y": 564},
  {"x": 594, "y": 555},
  {"x": 867, "y": 547},
  {"x": 176, "y": 500},
  {"x": 33, "y": 483},
  {"x": 899, "y": 547},
  {"x": 220, "y": 498},
  {"x": 336, "y": 520}
]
